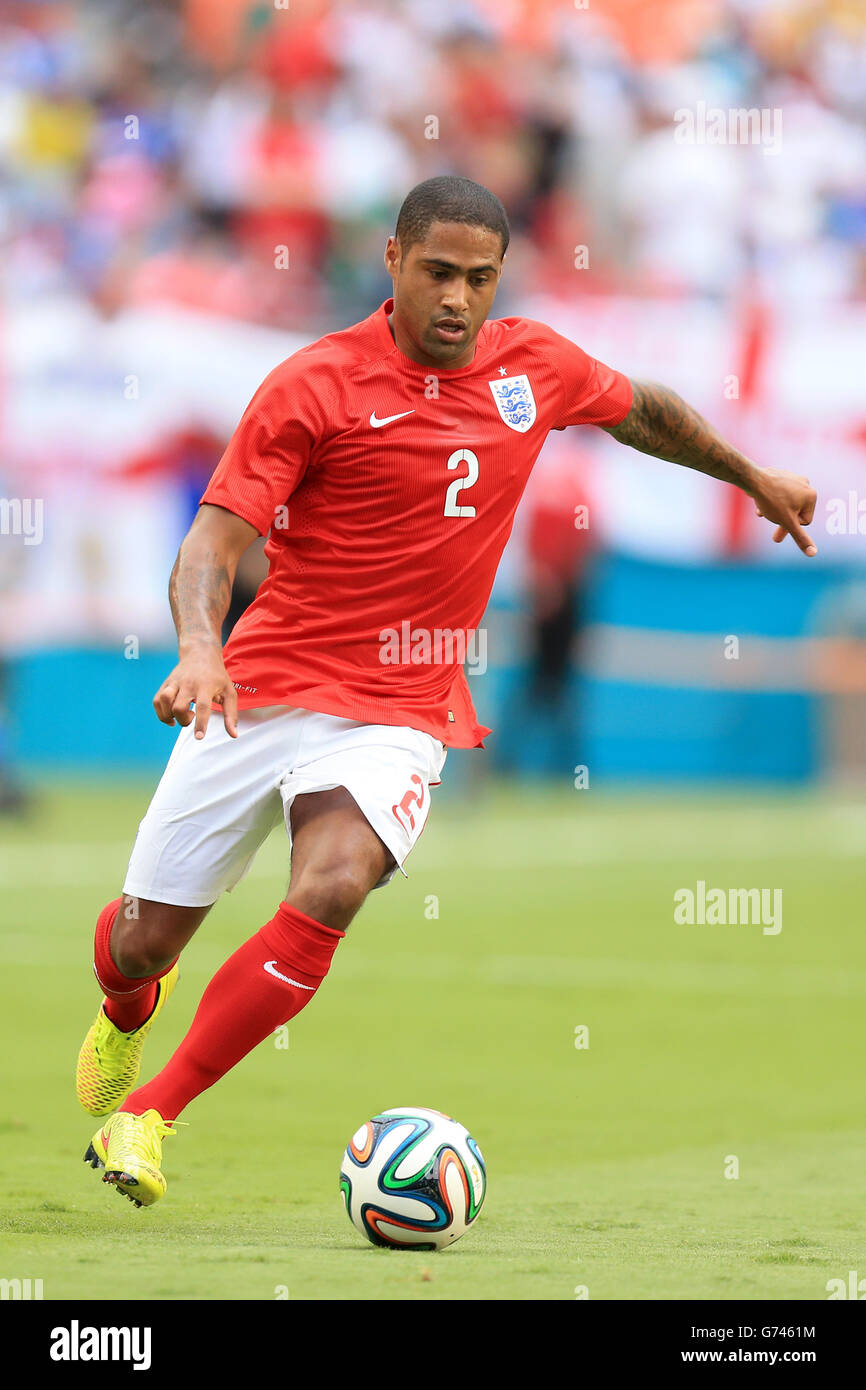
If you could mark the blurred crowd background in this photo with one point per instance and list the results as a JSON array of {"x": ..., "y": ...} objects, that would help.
[
  {"x": 258, "y": 125},
  {"x": 192, "y": 189}
]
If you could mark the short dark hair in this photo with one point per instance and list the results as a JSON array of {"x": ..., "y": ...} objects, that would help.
[{"x": 450, "y": 198}]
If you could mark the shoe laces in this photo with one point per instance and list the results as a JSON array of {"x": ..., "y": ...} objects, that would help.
[
  {"x": 166, "y": 1127},
  {"x": 108, "y": 1043},
  {"x": 156, "y": 1130}
]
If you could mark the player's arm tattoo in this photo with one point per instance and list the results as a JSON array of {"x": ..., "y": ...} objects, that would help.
[
  {"x": 199, "y": 591},
  {"x": 661, "y": 423}
]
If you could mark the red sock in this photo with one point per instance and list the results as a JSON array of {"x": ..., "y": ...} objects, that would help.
[
  {"x": 266, "y": 982},
  {"x": 129, "y": 1002}
]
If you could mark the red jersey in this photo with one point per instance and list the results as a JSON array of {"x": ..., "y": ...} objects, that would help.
[{"x": 389, "y": 491}]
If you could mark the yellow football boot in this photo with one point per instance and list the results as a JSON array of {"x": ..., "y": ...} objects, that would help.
[
  {"x": 129, "y": 1148},
  {"x": 109, "y": 1060}
]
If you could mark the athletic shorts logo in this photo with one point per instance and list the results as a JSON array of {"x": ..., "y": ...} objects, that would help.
[
  {"x": 269, "y": 966},
  {"x": 402, "y": 810},
  {"x": 515, "y": 402},
  {"x": 377, "y": 424}
]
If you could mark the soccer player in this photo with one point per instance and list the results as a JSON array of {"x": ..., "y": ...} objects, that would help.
[{"x": 384, "y": 463}]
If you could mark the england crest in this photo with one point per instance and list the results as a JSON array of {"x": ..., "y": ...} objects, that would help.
[{"x": 514, "y": 401}]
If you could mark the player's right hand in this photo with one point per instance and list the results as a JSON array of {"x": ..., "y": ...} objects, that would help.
[
  {"x": 789, "y": 500},
  {"x": 199, "y": 678}
]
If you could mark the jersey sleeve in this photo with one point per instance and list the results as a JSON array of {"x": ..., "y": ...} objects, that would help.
[
  {"x": 592, "y": 393},
  {"x": 270, "y": 451}
]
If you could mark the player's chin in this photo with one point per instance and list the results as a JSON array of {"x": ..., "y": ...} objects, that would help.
[{"x": 445, "y": 351}]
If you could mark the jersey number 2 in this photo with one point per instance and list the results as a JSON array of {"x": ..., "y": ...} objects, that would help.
[{"x": 452, "y": 507}]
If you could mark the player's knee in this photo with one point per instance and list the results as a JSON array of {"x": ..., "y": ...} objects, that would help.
[
  {"x": 140, "y": 952},
  {"x": 140, "y": 959},
  {"x": 147, "y": 936},
  {"x": 332, "y": 895}
]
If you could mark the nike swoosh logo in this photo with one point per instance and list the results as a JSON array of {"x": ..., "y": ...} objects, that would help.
[
  {"x": 269, "y": 966},
  {"x": 377, "y": 423}
]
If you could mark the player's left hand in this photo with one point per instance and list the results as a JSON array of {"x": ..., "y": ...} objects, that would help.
[{"x": 789, "y": 500}]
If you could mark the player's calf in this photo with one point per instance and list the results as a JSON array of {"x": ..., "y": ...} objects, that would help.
[{"x": 265, "y": 983}]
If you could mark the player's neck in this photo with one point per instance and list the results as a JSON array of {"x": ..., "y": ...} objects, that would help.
[{"x": 409, "y": 349}]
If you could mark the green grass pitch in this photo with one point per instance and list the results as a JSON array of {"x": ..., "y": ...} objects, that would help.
[{"x": 707, "y": 1044}]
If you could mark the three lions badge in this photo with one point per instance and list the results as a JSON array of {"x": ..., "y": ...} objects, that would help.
[{"x": 514, "y": 401}]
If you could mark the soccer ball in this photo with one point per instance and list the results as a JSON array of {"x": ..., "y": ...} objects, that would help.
[{"x": 413, "y": 1178}]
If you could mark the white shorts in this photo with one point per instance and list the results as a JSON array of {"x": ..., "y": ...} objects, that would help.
[{"x": 219, "y": 797}]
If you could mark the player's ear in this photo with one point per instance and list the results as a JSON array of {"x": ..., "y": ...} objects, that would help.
[{"x": 392, "y": 255}]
